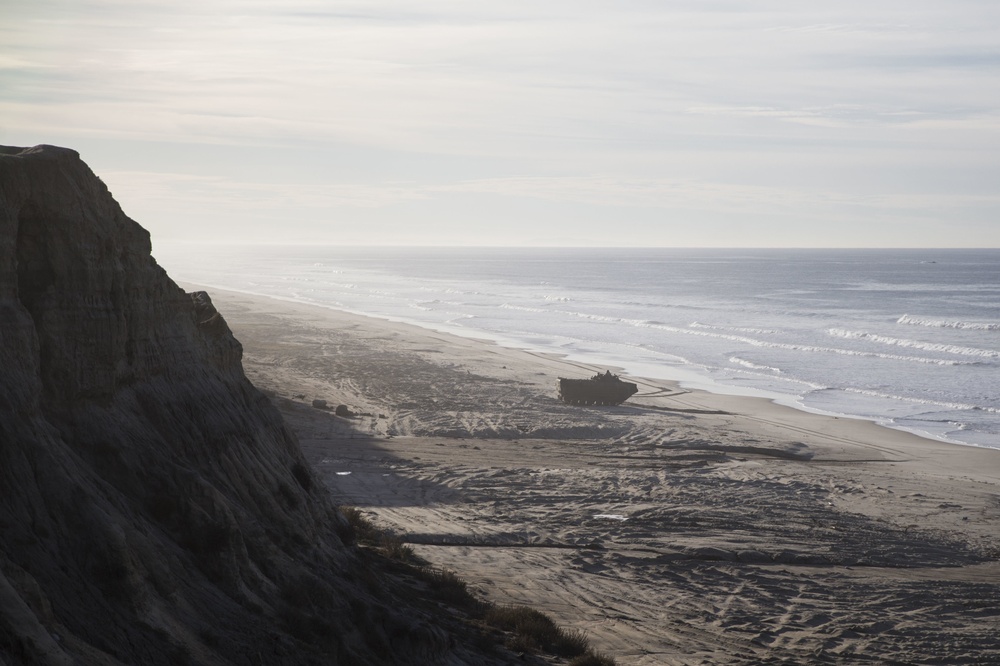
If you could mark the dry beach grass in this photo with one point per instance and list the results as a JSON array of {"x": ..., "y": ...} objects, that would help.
[{"x": 679, "y": 528}]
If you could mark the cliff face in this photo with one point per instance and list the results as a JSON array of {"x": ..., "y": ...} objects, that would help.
[{"x": 154, "y": 509}]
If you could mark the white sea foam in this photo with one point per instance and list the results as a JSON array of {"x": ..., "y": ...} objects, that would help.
[
  {"x": 947, "y": 323},
  {"x": 763, "y": 343},
  {"x": 735, "y": 329},
  {"x": 913, "y": 344},
  {"x": 753, "y": 366},
  {"x": 711, "y": 318},
  {"x": 923, "y": 401},
  {"x": 521, "y": 308}
]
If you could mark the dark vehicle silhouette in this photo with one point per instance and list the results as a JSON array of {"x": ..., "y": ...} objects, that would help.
[{"x": 606, "y": 389}]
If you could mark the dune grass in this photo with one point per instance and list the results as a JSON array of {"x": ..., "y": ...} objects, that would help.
[
  {"x": 533, "y": 631},
  {"x": 365, "y": 531}
]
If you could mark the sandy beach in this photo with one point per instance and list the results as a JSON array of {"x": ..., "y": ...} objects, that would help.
[{"x": 681, "y": 527}]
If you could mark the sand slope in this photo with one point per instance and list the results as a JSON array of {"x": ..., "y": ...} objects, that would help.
[{"x": 679, "y": 528}]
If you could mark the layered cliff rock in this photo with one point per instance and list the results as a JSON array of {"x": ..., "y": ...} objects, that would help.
[{"x": 154, "y": 509}]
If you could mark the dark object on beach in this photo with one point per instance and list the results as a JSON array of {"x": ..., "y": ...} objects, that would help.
[
  {"x": 344, "y": 410},
  {"x": 606, "y": 389},
  {"x": 320, "y": 404}
]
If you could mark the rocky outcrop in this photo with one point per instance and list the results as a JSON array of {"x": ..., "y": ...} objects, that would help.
[{"x": 154, "y": 509}]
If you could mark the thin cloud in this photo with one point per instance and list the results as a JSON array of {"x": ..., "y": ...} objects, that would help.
[
  {"x": 856, "y": 28},
  {"x": 593, "y": 190},
  {"x": 719, "y": 108}
]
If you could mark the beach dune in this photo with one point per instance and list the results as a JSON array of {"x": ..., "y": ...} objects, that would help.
[{"x": 681, "y": 527}]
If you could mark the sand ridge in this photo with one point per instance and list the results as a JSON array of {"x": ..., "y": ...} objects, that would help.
[{"x": 679, "y": 528}]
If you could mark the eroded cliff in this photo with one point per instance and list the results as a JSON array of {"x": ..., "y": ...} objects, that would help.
[{"x": 154, "y": 509}]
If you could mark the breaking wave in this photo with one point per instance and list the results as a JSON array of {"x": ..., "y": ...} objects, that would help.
[
  {"x": 735, "y": 329},
  {"x": 753, "y": 366},
  {"x": 913, "y": 344},
  {"x": 639, "y": 323},
  {"x": 946, "y": 323},
  {"x": 922, "y": 401},
  {"x": 521, "y": 308}
]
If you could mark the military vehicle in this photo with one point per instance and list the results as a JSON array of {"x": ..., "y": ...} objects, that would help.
[{"x": 606, "y": 389}]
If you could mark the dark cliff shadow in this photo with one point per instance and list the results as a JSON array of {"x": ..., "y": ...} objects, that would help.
[{"x": 356, "y": 466}]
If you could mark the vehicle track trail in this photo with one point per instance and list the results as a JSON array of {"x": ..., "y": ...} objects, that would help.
[{"x": 677, "y": 528}]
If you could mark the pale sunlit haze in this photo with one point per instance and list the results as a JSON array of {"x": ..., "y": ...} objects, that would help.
[{"x": 677, "y": 123}]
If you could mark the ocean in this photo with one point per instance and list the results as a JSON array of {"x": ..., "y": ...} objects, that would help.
[{"x": 907, "y": 338}]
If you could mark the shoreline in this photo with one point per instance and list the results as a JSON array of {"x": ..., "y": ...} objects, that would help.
[
  {"x": 695, "y": 384},
  {"x": 822, "y": 427},
  {"x": 681, "y": 527}
]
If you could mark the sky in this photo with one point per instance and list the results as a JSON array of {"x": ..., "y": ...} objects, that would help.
[{"x": 675, "y": 123}]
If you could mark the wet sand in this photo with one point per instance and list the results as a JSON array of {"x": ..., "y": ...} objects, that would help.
[{"x": 681, "y": 527}]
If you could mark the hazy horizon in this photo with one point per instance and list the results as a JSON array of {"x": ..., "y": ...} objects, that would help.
[
  {"x": 638, "y": 124},
  {"x": 390, "y": 246}
]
